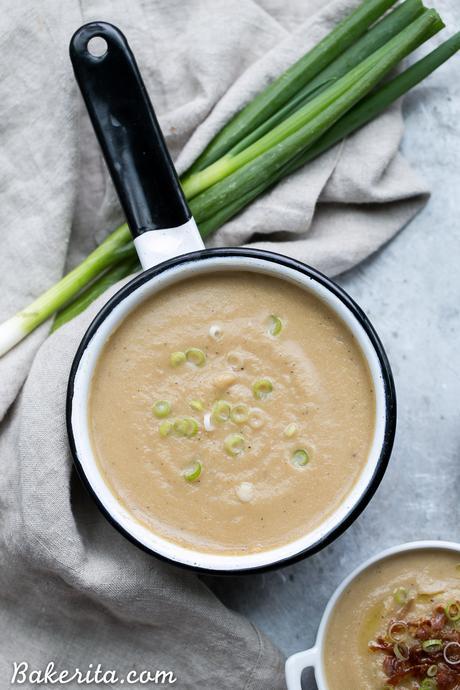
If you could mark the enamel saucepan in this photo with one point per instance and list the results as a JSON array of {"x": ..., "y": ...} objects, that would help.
[{"x": 170, "y": 250}]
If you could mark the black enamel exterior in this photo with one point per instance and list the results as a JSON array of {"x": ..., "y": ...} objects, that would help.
[
  {"x": 128, "y": 131},
  {"x": 390, "y": 396}
]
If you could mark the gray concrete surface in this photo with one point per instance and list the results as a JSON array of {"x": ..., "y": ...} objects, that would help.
[{"x": 411, "y": 291}]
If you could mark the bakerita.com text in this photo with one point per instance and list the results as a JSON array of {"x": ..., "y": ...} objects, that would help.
[{"x": 92, "y": 675}]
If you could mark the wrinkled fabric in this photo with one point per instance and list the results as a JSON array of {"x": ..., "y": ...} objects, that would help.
[{"x": 73, "y": 591}]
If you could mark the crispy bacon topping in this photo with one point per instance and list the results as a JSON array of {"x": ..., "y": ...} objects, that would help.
[{"x": 426, "y": 642}]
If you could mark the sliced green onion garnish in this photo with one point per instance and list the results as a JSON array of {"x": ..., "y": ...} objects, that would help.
[
  {"x": 235, "y": 360},
  {"x": 452, "y": 653},
  {"x": 401, "y": 651},
  {"x": 245, "y": 492},
  {"x": 290, "y": 430},
  {"x": 453, "y": 611},
  {"x": 234, "y": 444},
  {"x": 300, "y": 458},
  {"x": 166, "y": 427},
  {"x": 432, "y": 645},
  {"x": 177, "y": 358},
  {"x": 275, "y": 325},
  {"x": 256, "y": 418},
  {"x": 262, "y": 388},
  {"x": 192, "y": 472},
  {"x": 432, "y": 671},
  {"x": 401, "y": 596},
  {"x": 239, "y": 413},
  {"x": 195, "y": 356},
  {"x": 428, "y": 684},
  {"x": 221, "y": 411},
  {"x": 397, "y": 631},
  {"x": 161, "y": 409},
  {"x": 196, "y": 405},
  {"x": 186, "y": 426},
  {"x": 216, "y": 332}
]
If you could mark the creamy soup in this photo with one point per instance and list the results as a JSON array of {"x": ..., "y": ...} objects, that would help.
[
  {"x": 398, "y": 626},
  {"x": 232, "y": 413}
]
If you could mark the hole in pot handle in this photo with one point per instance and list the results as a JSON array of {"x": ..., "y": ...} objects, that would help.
[
  {"x": 133, "y": 145},
  {"x": 296, "y": 663}
]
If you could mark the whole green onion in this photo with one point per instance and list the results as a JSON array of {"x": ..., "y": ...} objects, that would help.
[
  {"x": 17, "y": 327},
  {"x": 366, "y": 110},
  {"x": 233, "y": 175},
  {"x": 376, "y": 37},
  {"x": 218, "y": 204},
  {"x": 285, "y": 86},
  {"x": 98, "y": 287}
]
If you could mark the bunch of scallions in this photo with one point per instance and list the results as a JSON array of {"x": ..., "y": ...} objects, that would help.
[{"x": 333, "y": 90}]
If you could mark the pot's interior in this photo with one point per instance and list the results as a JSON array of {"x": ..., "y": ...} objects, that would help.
[{"x": 117, "y": 311}]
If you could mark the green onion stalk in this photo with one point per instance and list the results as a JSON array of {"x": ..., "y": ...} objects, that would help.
[{"x": 327, "y": 95}]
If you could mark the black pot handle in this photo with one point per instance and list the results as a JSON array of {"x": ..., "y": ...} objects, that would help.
[{"x": 128, "y": 131}]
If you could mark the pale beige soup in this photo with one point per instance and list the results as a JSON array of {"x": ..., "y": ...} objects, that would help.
[
  {"x": 255, "y": 490},
  {"x": 408, "y": 588}
]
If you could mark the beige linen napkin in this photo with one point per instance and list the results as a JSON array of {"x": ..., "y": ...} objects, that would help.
[{"x": 72, "y": 590}]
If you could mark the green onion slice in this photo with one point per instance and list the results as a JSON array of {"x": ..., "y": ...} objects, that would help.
[
  {"x": 221, "y": 411},
  {"x": 275, "y": 325},
  {"x": 256, "y": 418},
  {"x": 397, "y": 631},
  {"x": 161, "y": 409},
  {"x": 401, "y": 651},
  {"x": 262, "y": 388},
  {"x": 432, "y": 671},
  {"x": 428, "y": 684},
  {"x": 300, "y": 457},
  {"x": 239, "y": 413},
  {"x": 234, "y": 444},
  {"x": 401, "y": 596},
  {"x": 195, "y": 356},
  {"x": 235, "y": 360},
  {"x": 216, "y": 332},
  {"x": 196, "y": 405},
  {"x": 193, "y": 471},
  {"x": 452, "y": 653},
  {"x": 186, "y": 426},
  {"x": 432, "y": 646},
  {"x": 290, "y": 430},
  {"x": 177, "y": 358},
  {"x": 453, "y": 611},
  {"x": 165, "y": 428},
  {"x": 245, "y": 492}
]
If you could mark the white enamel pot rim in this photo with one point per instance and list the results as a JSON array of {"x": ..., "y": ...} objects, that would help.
[
  {"x": 313, "y": 658},
  {"x": 198, "y": 263}
]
